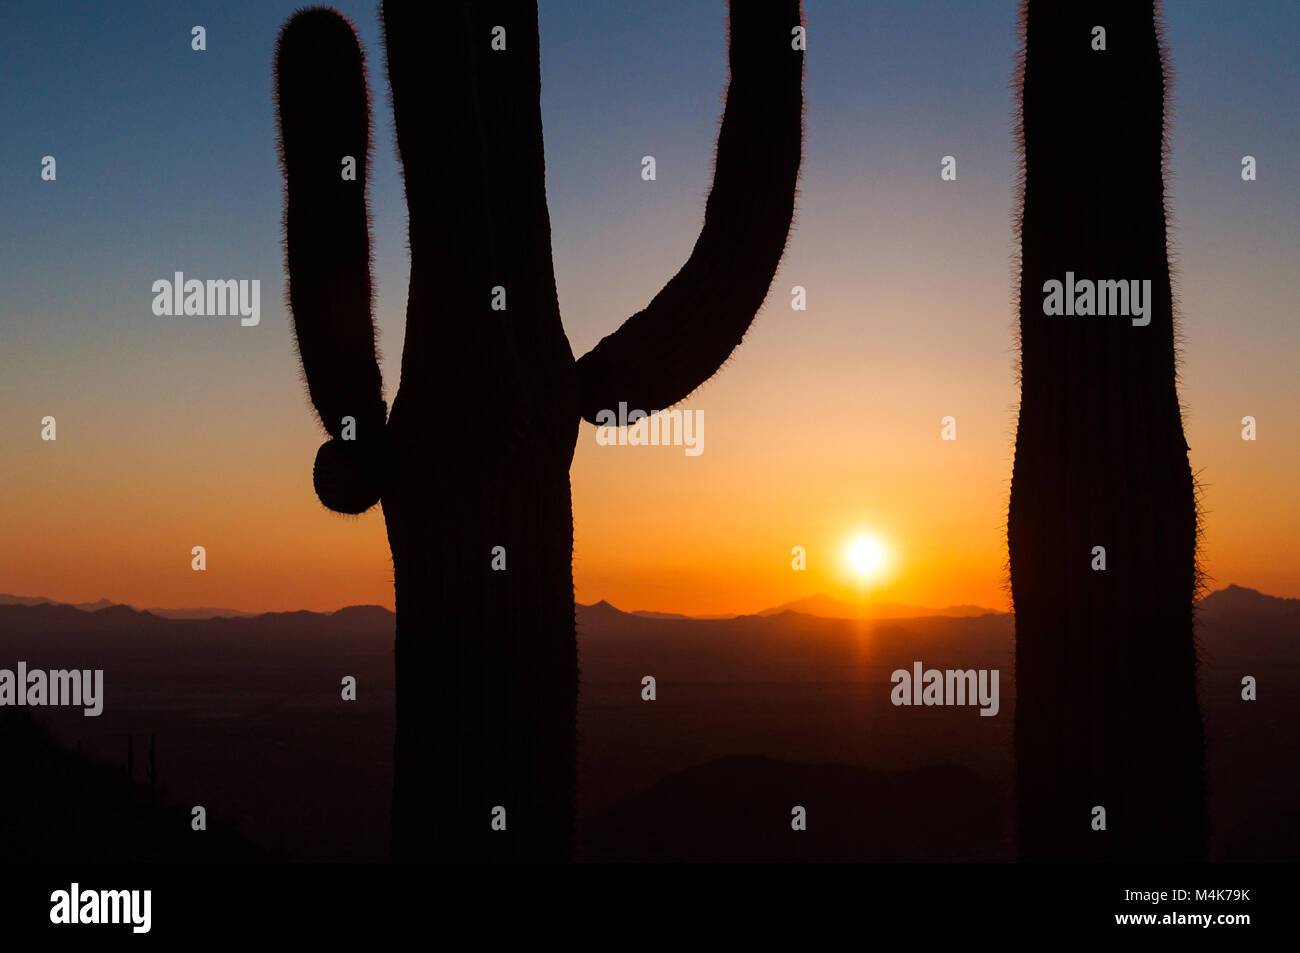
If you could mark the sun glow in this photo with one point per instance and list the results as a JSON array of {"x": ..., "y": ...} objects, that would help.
[{"x": 867, "y": 556}]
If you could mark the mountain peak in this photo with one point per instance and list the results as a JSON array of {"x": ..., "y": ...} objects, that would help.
[
  {"x": 1242, "y": 600},
  {"x": 829, "y": 607}
]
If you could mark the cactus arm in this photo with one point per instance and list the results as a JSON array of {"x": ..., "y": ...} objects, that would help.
[
  {"x": 323, "y": 115},
  {"x": 661, "y": 354}
]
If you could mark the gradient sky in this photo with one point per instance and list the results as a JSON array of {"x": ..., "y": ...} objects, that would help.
[{"x": 175, "y": 432}]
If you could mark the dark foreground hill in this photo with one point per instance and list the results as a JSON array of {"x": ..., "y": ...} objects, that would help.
[
  {"x": 58, "y": 804},
  {"x": 742, "y": 808}
]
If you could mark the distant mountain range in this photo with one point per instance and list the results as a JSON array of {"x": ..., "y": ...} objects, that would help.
[
  {"x": 1233, "y": 601},
  {"x": 826, "y": 607},
  {"x": 204, "y": 612},
  {"x": 822, "y": 606},
  {"x": 1240, "y": 603}
]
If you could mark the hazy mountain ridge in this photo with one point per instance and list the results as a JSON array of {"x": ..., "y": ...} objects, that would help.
[
  {"x": 1232, "y": 600},
  {"x": 107, "y": 611},
  {"x": 829, "y": 607},
  {"x": 1241, "y": 601},
  {"x": 198, "y": 612},
  {"x": 817, "y": 605}
]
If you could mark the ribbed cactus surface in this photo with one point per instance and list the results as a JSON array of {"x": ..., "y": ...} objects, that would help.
[{"x": 1106, "y": 712}]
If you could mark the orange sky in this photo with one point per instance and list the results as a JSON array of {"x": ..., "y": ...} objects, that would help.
[{"x": 796, "y": 453}]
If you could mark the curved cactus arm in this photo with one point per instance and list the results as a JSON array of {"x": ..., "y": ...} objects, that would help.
[
  {"x": 661, "y": 354},
  {"x": 324, "y": 124},
  {"x": 324, "y": 116}
]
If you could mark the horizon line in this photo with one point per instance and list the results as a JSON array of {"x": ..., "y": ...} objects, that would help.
[{"x": 7, "y": 599}]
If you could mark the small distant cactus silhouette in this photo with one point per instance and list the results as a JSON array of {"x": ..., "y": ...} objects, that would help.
[
  {"x": 476, "y": 451},
  {"x": 1106, "y": 708}
]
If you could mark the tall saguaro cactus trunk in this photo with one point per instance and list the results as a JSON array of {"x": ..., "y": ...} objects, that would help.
[
  {"x": 1106, "y": 713},
  {"x": 476, "y": 452}
]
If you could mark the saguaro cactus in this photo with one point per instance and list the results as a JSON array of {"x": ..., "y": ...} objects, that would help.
[
  {"x": 476, "y": 452},
  {"x": 1106, "y": 713}
]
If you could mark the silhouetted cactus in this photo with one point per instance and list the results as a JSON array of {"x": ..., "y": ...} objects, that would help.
[
  {"x": 476, "y": 452},
  {"x": 1106, "y": 711}
]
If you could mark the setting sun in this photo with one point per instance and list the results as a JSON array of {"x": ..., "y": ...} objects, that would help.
[{"x": 867, "y": 556}]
